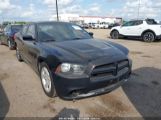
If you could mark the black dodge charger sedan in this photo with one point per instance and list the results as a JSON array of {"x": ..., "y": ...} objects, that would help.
[{"x": 70, "y": 63}]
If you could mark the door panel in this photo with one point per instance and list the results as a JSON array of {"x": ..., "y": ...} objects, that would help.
[
  {"x": 125, "y": 30},
  {"x": 30, "y": 47},
  {"x": 133, "y": 28}
]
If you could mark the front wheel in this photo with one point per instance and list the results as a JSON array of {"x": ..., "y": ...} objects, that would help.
[
  {"x": 18, "y": 55},
  {"x": 115, "y": 34},
  {"x": 148, "y": 37},
  {"x": 47, "y": 80}
]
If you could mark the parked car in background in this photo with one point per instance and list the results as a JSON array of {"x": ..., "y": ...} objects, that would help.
[
  {"x": 103, "y": 25},
  {"x": 95, "y": 26},
  {"x": 113, "y": 25},
  {"x": 72, "y": 64},
  {"x": 91, "y": 25},
  {"x": 7, "y": 36},
  {"x": 85, "y": 26},
  {"x": 149, "y": 30}
]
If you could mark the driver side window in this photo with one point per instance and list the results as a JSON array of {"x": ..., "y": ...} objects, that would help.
[{"x": 31, "y": 31}]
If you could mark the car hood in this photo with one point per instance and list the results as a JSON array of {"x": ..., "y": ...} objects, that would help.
[{"x": 88, "y": 49}]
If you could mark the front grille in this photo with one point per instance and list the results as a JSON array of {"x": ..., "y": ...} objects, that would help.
[{"x": 111, "y": 70}]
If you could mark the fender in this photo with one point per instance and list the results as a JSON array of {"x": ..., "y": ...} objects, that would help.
[{"x": 148, "y": 30}]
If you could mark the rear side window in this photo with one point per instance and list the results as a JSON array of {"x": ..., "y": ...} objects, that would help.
[{"x": 151, "y": 22}]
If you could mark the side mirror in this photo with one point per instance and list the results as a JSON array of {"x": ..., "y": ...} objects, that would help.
[
  {"x": 91, "y": 34},
  {"x": 28, "y": 38}
]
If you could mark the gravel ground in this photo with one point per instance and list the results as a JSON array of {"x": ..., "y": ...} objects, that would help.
[{"x": 21, "y": 94}]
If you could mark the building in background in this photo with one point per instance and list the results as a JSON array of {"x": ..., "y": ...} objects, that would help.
[
  {"x": 75, "y": 18},
  {"x": 100, "y": 19}
]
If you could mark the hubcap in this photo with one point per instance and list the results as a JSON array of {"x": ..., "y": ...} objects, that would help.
[
  {"x": 115, "y": 35},
  {"x": 46, "y": 80},
  {"x": 149, "y": 37}
]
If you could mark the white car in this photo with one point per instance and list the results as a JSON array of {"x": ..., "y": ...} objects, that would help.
[
  {"x": 147, "y": 29},
  {"x": 102, "y": 25}
]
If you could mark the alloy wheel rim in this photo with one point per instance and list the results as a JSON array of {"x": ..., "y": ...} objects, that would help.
[
  {"x": 148, "y": 37},
  {"x": 115, "y": 34},
  {"x": 46, "y": 80}
]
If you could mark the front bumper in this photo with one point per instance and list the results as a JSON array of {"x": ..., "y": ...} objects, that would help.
[{"x": 69, "y": 89}]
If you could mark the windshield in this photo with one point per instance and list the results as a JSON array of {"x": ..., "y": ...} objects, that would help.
[
  {"x": 61, "y": 32},
  {"x": 16, "y": 28}
]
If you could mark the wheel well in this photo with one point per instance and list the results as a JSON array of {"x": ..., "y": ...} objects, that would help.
[
  {"x": 40, "y": 60},
  {"x": 148, "y": 31},
  {"x": 114, "y": 30}
]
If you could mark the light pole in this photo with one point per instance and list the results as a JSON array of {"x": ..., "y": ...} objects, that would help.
[
  {"x": 138, "y": 9},
  {"x": 57, "y": 12}
]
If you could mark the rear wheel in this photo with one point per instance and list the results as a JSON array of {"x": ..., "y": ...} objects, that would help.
[
  {"x": 9, "y": 45},
  {"x": 148, "y": 37},
  {"x": 115, "y": 34},
  {"x": 47, "y": 80}
]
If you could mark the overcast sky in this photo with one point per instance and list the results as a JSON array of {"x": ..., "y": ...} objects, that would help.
[{"x": 39, "y": 10}]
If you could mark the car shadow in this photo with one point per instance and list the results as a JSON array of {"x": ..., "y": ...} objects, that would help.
[
  {"x": 135, "y": 39},
  {"x": 4, "y": 103},
  {"x": 144, "y": 91},
  {"x": 68, "y": 114}
]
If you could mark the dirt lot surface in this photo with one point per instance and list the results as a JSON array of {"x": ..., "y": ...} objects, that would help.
[{"x": 21, "y": 94}]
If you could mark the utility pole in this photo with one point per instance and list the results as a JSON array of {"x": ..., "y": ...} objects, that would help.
[
  {"x": 57, "y": 12},
  {"x": 138, "y": 9}
]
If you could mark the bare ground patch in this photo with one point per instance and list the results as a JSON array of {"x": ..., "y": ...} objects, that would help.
[
  {"x": 110, "y": 105},
  {"x": 3, "y": 76}
]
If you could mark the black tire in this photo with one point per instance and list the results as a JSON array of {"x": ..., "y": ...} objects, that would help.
[
  {"x": 115, "y": 34},
  {"x": 18, "y": 55},
  {"x": 148, "y": 37},
  {"x": 52, "y": 92}
]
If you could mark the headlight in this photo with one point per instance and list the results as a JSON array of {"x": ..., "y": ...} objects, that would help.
[{"x": 67, "y": 68}]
